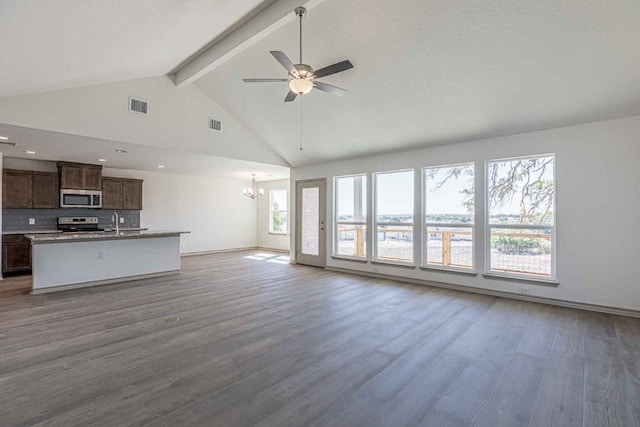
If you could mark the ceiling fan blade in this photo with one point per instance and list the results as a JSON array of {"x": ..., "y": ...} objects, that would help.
[
  {"x": 284, "y": 61},
  {"x": 338, "y": 67},
  {"x": 290, "y": 96},
  {"x": 264, "y": 80},
  {"x": 334, "y": 90}
]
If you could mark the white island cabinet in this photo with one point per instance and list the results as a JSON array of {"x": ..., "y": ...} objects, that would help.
[{"x": 69, "y": 260}]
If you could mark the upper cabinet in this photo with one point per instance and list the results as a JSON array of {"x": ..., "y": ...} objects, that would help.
[
  {"x": 121, "y": 193},
  {"x": 17, "y": 187},
  {"x": 76, "y": 176},
  {"x": 29, "y": 189},
  {"x": 111, "y": 193},
  {"x": 41, "y": 190},
  {"x": 92, "y": 178},
  {"x": 45, "y": 191},
  {"x": 132, "y": 194}
]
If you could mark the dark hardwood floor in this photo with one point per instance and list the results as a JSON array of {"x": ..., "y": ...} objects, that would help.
[{"x": 242, "y": 339}]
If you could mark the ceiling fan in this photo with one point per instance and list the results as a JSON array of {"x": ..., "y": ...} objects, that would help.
[{"x": 302, "y": 78}]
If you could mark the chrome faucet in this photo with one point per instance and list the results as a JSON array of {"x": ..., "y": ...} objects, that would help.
[{"x": 116, "y": 218}]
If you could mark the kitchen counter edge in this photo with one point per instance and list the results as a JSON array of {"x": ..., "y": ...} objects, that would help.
[{"x": 79, "y": 237}]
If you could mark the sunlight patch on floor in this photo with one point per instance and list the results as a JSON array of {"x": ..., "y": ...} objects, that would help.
[{"x": 269, "y": 257}]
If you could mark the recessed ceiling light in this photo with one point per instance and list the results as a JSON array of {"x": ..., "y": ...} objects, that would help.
[
  {"x": 160, "y": 166},
  {"x": 101, "y": 160},
  {"x": 122, "y": 151},
  {"x": 4, "y": 138},
  {"x": 29, "y": 151}
]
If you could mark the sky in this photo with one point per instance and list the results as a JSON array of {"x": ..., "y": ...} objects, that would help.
[
  {"x": 395, "y": 192},
  {"x": 395, "y": 195}
]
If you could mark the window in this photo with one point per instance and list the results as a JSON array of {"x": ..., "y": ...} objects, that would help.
[
  {"x": 394, "y": 216},
  {"x": 278, "y": 223},
  {"x": 351, "y": 216},
  {"x": 521, "y": 216},
  {"x": 449, "y": 216}
]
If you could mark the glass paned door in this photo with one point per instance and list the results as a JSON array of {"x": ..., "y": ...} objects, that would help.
[{"x": 310, "y": 222}]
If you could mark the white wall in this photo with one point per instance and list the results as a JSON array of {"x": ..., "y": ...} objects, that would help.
[
  {"x": 598, "y": 238},
  {"x": 213, "y": 209},
  {"x": 266, "y": 239},
  {"x": 177, "y": 120}
]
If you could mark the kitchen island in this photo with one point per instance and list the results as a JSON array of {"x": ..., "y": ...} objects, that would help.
[{"x": 74, "y": 260}]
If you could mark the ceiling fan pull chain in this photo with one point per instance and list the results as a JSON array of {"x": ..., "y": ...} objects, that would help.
[{"x": 300, "y": 123}]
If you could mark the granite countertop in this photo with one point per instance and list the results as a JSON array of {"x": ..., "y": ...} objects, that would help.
[
  {"x": 54, "y": 231},
  {"x": 31, "y": 232},
  {"x": 37, "y": 238},
  {"x": 110, "y": 229}
]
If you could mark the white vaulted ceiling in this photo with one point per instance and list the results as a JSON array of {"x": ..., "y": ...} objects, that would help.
[
  {"x": 49, "y": 45},
  {"x": 427, "y": 72},
  {"x": 439, "y": 71}
]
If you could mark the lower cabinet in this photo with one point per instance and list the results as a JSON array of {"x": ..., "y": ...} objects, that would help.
[{"x": 16, "y": 253}]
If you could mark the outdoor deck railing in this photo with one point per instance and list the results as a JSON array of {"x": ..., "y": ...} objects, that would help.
[{"x": 505, "y": 255}]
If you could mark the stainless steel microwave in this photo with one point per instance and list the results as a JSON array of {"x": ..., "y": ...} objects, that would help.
[{"x": 80, "y": 199}]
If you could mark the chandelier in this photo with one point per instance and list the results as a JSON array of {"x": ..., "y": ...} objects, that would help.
[{"x": 253, "y": 192}]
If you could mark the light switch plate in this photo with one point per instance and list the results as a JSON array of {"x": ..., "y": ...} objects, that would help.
[
  {"x": 32, "y": 221},
  {"x": 121, "y": 220}
]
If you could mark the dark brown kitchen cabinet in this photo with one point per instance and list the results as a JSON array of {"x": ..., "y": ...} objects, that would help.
[
  {"x": 111, "y": 193},
  {"x": 76, "y": 176},
  {"x": 121, "y": 193},
  {"x": 16, "y": 253},
  {"x": 92, "y": 178},
  {"x": 45, "y": 191},
  {"x": 71, "y": 177},
  {"x": 17, "y": 188},
  {"x": 132, "y": 194},
  {"x": 29, "y": 189}
]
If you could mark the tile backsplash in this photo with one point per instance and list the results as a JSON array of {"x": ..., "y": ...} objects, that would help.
[{"x": 47, "y": 219}]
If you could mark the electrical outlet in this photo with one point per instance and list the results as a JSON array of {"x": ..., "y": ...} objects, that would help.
[
  {"x": 32, "y": 221},
  {"x": 100, "y": 255},
  {"x": 121, "y": 220}
]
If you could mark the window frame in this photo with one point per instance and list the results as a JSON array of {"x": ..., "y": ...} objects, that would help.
[
  {"x": 425, "y": 224},
  {"x": 552, "y": 278},
  {"x": 375, "y": 222},
  {"x": 337, "y": 222},
  {"x": 271, "y": 211}
]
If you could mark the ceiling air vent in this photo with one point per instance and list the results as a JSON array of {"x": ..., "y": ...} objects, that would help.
[
  {"x": 215, "y": 124},
  {"x": 138, "y": 106}
]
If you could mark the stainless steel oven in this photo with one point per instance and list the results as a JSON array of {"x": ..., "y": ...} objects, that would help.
[{"x": 80, "y": 199}]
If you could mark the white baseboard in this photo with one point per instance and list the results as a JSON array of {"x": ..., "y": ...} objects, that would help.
[
  {"x": 542, "y": 300},
  {"x": 222, "y": 251},
  {"x": 219, "y": 251},
  {"x": 103, "y": 282}
]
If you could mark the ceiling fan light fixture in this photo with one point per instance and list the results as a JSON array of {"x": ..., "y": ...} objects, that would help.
[
  {"x": 301, "y": 86},
  {"x": 302, "y": 78}
]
